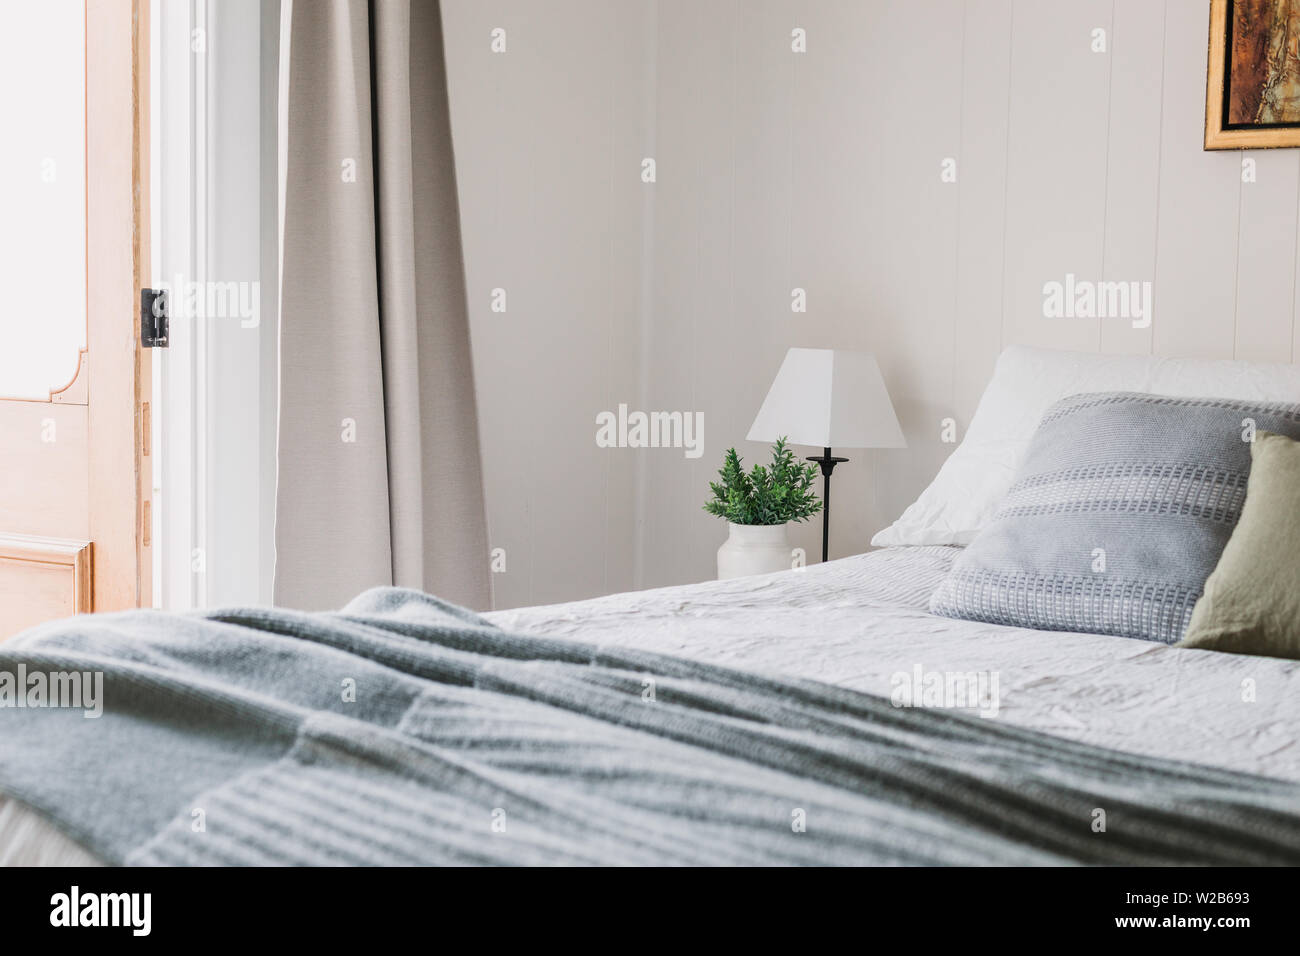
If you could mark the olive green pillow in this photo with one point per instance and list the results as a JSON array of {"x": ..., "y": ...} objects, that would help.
[{"x": 1251, "y": 603}]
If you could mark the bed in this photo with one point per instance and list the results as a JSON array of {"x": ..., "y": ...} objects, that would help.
[
  {"x": 859, "y": 623},
  {"x": 817, "y": 715}
]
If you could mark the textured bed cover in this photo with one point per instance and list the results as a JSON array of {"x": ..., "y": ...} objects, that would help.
[
  {"x": 861, "y": 621},
  {"x": 858, "y": 621}
]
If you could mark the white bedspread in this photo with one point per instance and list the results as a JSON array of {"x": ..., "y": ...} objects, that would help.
[{"x": 859, "y": 621}]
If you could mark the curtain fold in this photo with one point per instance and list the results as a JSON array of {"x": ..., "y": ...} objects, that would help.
[{"x": 379, "y": 478}]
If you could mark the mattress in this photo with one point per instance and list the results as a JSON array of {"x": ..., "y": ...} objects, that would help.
[{"x": 862, "y": 623}]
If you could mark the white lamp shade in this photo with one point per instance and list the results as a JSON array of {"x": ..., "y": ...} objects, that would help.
[{"x": 828, "y": 398}]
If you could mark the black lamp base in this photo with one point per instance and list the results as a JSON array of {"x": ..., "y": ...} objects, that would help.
[{"x": 828, "y": 463}]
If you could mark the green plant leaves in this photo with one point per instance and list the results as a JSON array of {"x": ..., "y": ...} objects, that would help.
[{"x": 771, "y": 494}]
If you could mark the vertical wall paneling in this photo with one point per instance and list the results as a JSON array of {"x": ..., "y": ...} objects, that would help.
[
  {"x": 766, "y": 217},
  {"x": 919, "y": 220},
  {"x": 490, "y": 137},
  {"x": 710, "y": 248},
  {"x": 547, "y": 163},
  {"x": 1295, "y": 294},
  {"x": 981, "y": 196},
  {"x": 629, "y": 67},
  {"x": 1266, "y": 251},
  {"x": 572, "y": 181},
  {"x": 1056, "y": 165},
  {"x": 689, "y": 64},
  {"x": 820, "y": 170},
  {"x": 837, "y": 236},
  {"x": 1136, "y": 54},
  {"x": 1196, "y": 250}
]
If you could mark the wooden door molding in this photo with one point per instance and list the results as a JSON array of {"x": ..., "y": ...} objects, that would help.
[
  {"x": 76, "y": 392},
  {"x": 42, "y": 578},
  {"x": 117, "y": 236}
]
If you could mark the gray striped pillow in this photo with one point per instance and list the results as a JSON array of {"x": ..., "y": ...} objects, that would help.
[{"x": 1118, "y": 514}]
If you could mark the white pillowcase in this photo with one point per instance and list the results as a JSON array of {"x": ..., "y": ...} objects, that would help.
[{"x": 965, "y": 494}]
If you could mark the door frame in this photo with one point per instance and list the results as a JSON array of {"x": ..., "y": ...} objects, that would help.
[
  {"x": 215, "y": 217},
  {"x": 117, "y": 263}
]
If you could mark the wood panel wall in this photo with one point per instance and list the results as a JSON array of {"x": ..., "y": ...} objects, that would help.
[{"x": 819, "y": 170}]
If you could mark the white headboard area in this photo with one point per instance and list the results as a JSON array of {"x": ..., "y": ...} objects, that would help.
[{"x": 928, "y": 181}]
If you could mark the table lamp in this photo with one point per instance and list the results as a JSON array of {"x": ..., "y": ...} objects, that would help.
[{"x": 828, "y": 398}]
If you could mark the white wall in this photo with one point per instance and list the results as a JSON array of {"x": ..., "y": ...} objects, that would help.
[
  {"x": 819, "y": 170},
  {"x": 548, "y": 139}
]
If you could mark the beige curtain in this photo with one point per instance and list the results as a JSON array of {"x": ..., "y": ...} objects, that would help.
[{"x": 379, "y": 479}]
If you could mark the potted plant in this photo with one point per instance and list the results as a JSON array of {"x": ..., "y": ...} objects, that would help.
[{"x": 758, "y": 506}]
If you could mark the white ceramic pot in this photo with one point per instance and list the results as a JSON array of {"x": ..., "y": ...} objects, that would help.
[{"x": 754, "y": 549}]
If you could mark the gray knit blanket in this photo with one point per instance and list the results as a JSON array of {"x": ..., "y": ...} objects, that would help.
[{"x": 403, "y": 730}]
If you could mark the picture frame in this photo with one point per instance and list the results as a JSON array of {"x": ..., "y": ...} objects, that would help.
[{"x": 1247, "y": 105}]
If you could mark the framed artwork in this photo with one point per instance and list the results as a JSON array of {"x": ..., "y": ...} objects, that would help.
[{"x": 1252, "y": 91}]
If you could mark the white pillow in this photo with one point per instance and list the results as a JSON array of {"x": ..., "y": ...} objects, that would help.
[{"x": 965, "y": 494}]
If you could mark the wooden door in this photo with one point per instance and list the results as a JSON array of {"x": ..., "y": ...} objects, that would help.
[{"x": 74, "y": 465}]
